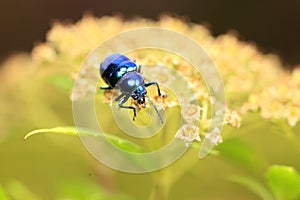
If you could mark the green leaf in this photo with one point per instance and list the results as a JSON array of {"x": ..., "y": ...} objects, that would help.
[
  {"x": 284, "y": 182},
  {"x": 213, "y": 152},
  {"x": 2, "y": 194},
  {"x": 82, "y": 189},
  {"x": 253, "y": 185},
  {"x": 70, "y": 130},
  {"x": 18, "y": 190},
  {"x": 240, "y": 153}
]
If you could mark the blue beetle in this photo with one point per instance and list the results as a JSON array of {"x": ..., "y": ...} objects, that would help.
[{"x": 119, "y": 72}]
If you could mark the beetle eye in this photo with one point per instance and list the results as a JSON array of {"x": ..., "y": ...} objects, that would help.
[
  {"x": 135, "y": 97},
  {"x": 141, "y": 101}
]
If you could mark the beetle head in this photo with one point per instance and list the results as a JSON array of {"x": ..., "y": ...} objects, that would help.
[{"x": 139, "y": 94}]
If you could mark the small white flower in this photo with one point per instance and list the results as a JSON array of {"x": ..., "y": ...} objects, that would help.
[
  {"x": 214, "y": 136},
  {"x": 188, "y": 133},
  {"x": 293, "y": 115},
  {"x": 191, "y": 113}
]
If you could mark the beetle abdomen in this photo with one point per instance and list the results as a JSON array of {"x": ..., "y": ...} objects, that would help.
[
  {"x": 114, "y": 67},
  {"x": 112, "y": 61}
]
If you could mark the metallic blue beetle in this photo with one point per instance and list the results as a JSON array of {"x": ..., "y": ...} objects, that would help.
[{"x": 119, "y": 72}]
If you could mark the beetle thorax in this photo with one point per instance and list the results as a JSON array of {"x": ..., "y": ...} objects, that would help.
[{"x": 130, "y": 82}]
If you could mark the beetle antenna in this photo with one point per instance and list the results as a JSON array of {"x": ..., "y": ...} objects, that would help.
[{"x": 160, "y": 118}]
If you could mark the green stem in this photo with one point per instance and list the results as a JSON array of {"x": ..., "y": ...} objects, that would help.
[
  {"x": 160, "y": 189},
  {"x": 205, "y": 109},
  {"x": 167, "y": 177}
]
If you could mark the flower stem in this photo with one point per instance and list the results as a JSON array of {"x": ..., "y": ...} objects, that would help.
[
  {"x": 159, "y": 192},
  {"x": 204, "y": 110}
]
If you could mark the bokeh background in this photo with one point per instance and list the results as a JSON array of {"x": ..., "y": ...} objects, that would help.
[{"x": 272, "y": 25}]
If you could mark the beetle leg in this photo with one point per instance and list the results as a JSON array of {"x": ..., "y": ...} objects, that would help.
[
  {"x": 128, "y": 107},
  {"x": 139, "y": 69},
  {"x": 152, "y": 83},
  {"x": 120, "y": 97},
  {"x": 106, "y": 87}
]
